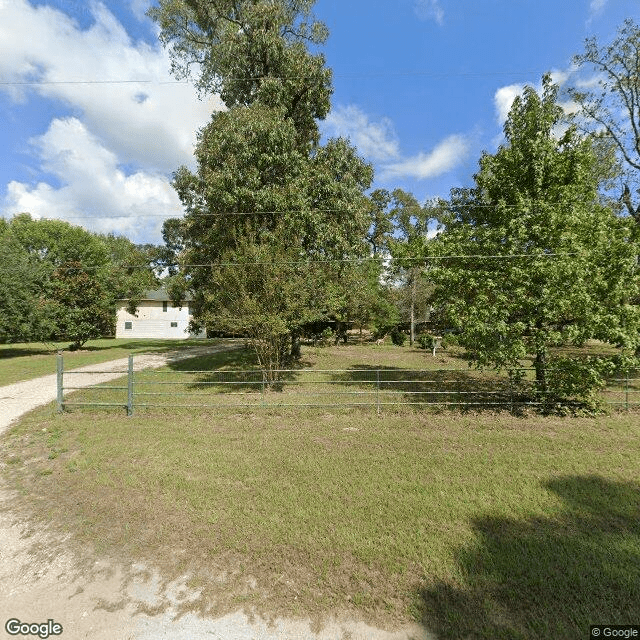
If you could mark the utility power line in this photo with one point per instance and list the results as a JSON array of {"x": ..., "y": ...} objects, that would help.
[
  {"x": 386, "y": 260},
  {"x": 222, "y": 214},
  {"x": 353, "y": 75}
]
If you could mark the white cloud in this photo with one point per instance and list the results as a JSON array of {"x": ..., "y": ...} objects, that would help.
[
  {"x": 145, "y": 120},
  {"x": 504, "y": 96},
  {"x": 93, "y": 185},
  {"x": 429, "y": 10},
  {"x": 147, "y": 123},
  {"x": 139, "y": 9},
  {"x": 378, "y": 142},
  {"x": 503, "y": 99},
  {"x": 375, "y": 140},
  {"x": 444, "y": 157},
  {"x": 596, "y": 7}
]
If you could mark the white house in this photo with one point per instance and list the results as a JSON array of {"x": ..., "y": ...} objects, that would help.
[{"x": 156, "y": 318}]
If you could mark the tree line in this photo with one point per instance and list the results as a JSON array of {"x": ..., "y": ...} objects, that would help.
[{"x": 60, "y": 282}]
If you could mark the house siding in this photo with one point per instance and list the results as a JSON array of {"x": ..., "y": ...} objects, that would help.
[{"x": 152, "y": 322}]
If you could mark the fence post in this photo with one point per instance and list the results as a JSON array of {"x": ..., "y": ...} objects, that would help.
[
  {"x": 59, "y": 383},
  {"x": 378, "y": 391},
  {"x": 626, "y": 390},
  {"x": 130, "y": 386},
  {"x": 511, "y": 393}
]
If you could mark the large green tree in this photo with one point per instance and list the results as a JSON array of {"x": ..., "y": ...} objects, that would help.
[
  {"x": 610, "y": 102},
  {"x": 63, "y": 282},
  {"x": 266, "y": 196},
  {"x": 410, "y": 227},
  {"x": 78, "y": 305},
  {"x": 543, "y": 261},
  {"x": 23, "y": 315}
]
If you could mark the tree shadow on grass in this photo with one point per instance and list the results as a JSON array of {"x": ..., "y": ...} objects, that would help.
[
  {"x": 546, "y": 577},
  {"x": 17, "y": 352},
  {"x": 454, "y": 388},
  {"x": 148, "y": 345},
  {"x": 51, "y": 348},
  {"x": 229, "y": 372}
]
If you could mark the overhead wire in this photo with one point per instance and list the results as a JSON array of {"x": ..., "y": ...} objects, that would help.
[
  {"x": 221, "y": 214},
  {"x": 352, "y": 75},
  {"x": 385, "y": 260}
]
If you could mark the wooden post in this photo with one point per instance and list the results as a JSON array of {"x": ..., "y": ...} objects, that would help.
[
  {"x": 59, "y": 382},
  {"x": 511, "y": 393},
  {"x": 378, "y": 391}
]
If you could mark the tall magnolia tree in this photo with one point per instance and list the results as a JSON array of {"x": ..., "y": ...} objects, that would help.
[
  {"x": 544, "y": 262},
  {"x": 251, "y": 51},
  {"x": 269, "y": 210}
]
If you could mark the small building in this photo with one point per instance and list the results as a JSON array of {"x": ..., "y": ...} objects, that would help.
[{"x": 156, "y": 318}]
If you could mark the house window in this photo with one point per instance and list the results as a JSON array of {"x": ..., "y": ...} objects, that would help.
[
  {"x": 164, "y": 305},
  {"x": 127, "y": 325},
  {"x": 174, "y": 324}
]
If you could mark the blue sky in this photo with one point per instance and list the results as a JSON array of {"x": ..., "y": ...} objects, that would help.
[{"x": 421, "y": 88}]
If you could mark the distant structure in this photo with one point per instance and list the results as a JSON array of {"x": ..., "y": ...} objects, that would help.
[{"x": 156, "y": 318}]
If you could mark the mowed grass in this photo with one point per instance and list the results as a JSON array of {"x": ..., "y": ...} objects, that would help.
[
  {"x": 336, "y": 375},
  {"x": 479, "y": 525},
  {"x": 330, "y": 376},
  {"x": 26, "y": 361}
]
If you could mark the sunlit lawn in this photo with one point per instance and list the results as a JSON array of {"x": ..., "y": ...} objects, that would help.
[{"x": 25, "y": 361}]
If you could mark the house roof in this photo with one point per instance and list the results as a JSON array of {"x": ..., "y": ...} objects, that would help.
[{"x": 162, "y": 295}]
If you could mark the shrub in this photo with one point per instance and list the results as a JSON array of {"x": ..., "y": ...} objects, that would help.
[
  {"x": 425, "y": 341},
  {"x": 398, "y": 337},
  {"x": 571, "y": 379},
  {"x": 450, "y": 340},
  {"x": 326, "y": 336}
]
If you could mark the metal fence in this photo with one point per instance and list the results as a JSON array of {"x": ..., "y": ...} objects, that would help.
[{"x": 371, "y": 387}]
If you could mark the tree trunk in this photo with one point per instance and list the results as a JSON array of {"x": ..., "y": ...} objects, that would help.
[
  {"x": 412, "y": 332},
  {"x": 295, "y": 346},
  {"x": 540, "y": 365}
]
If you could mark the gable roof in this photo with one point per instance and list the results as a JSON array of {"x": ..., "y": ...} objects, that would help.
[{"x": 162, "y": 295}]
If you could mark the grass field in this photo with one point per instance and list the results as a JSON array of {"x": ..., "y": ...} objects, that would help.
[
  {"x": 480, "y": 525},
  {"x": 32, "y": 360}
]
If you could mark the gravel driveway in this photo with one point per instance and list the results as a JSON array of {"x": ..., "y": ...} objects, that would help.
[
  {"x": 104, "y": 602},
  {"x": 19, "y": 398}
]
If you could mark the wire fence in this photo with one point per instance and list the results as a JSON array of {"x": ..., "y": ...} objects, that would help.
[{"x": 377, "y": 388}]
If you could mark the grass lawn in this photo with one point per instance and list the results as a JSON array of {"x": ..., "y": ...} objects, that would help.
[
  {"x": 26, "y": 361},
  {"x": 480, "y": 525}
]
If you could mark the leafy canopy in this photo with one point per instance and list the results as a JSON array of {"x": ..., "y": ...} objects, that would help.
[
  {"x": 268, "y": 207},
  {"x": 546, "y": 263},
  {"x": 251, "y": 51},
  {"x": 62, "y": 282},
  {"x": 611, "y": 106}
]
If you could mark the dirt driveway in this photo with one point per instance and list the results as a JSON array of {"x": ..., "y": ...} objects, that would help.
[{"x": 39, "y": 581}]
